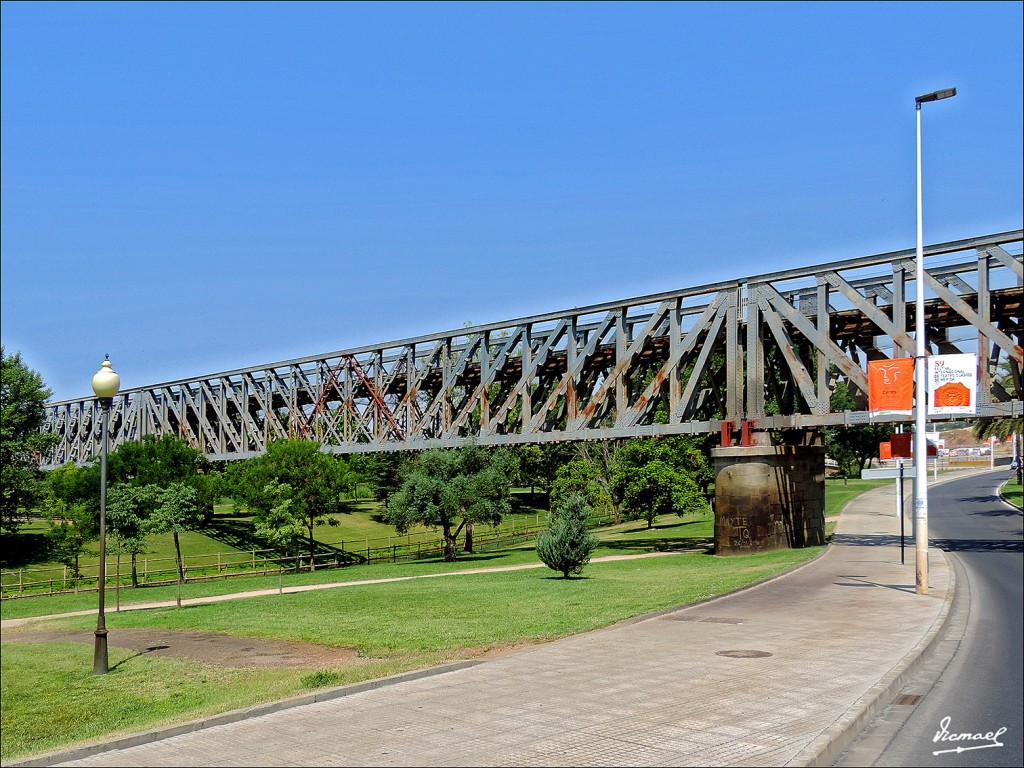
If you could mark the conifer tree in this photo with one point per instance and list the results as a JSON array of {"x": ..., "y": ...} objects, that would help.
[{"x": 567, "y": 544}]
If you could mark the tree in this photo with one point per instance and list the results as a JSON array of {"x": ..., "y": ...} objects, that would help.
[
  {"x": 580, "y": 477},
  {"x": 591, "y": 472},
  {"x": 657, "y": 488},
  {"x": 538, "y": 464},
  {"x": 155, "y": 460},
  {"x": 73, "y": 511},
  {"x": 71, "y": 529},
  {"x": 280, "y": 524},
  {"x": 1002, "y": 426},
  {"x": 659, "y": 476},
  {"x": 129, "y": 508},
  {"x": 450, "y": 489},
  {"x": 316, "y": 483},
  {"x": 22, "y": 401},
  {"x": 602, "y": 454},
  {"x": 531, "y": 465},
  {"x": 162, "y": 462},
  {"x": 567, "y": 544},
  {"x": 852, "y": 447},
  {"x": 176, "y": 511},
  {"x": 383, "y": 472},
  {"x": 71, "y": 485}
]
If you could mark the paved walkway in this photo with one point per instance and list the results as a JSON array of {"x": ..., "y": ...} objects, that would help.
[{"x": 780, "y": 674}]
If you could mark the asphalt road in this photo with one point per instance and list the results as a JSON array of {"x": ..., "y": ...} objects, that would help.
[{"x": 976, "y": 684}]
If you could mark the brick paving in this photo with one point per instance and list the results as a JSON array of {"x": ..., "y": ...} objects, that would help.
[{"x": 652, "y": 692}]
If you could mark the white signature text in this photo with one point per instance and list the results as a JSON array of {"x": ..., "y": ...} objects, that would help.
[{"x": 943, "y": 734}]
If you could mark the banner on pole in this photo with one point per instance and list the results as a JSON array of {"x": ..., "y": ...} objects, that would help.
[
  {"x": 952, "y": 384},
  {"x": 891, "y": 386},
  {"x": 901, "y": 446}
]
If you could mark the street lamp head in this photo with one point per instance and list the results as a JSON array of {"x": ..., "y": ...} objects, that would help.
[
  {"x": 106, "y": 382},
  {"x": 935, "y": 96}
]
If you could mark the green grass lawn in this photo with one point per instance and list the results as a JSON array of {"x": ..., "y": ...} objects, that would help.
[
  {"x": 471, "y": 611},
  {"x": 50, "y": 698},
  {"x": 229, "y": 541},
  {"x": 1013, "y": 492},
  {"x": 629, "y": 538}
]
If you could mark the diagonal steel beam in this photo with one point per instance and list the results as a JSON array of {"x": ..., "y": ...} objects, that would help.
[
  {"x": 876, "y": 315},
  {"x": 853, "y": 372},
  {"x": 622, "y": 365},
  {"x": 963, "y": 309},
  {"x": 489, "y": 369},
  {"x": 532, "y": 363},
  {"x": 998, "y": 253},
  {"x": 700, "y": 367},
  {"x": 575, "y": 362},
  {"x": 715, "y": 309},
  {"x": 789, "y": 354}
]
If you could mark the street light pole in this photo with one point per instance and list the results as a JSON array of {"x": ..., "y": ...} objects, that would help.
[
  {"x": 920, "y": 377},
  {"x": 105, "y": 384}
]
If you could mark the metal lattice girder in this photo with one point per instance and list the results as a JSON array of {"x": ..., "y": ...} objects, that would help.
[{"x": 769, "y": 348}]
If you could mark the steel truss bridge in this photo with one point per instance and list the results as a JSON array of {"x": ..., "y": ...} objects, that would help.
[{"x": 764, "y": 351}]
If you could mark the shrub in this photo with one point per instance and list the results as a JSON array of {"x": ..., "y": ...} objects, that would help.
[{"x": 567, "y": 544}]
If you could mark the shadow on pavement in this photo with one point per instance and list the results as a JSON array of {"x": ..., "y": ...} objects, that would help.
[
  {"x": 979, "y": 545},
  {"x": 867, "y": 539},
  {"x": 1004, "y": 511},
  {"x": 947, "y": 545},
  {"x": 860, "y": 581}
]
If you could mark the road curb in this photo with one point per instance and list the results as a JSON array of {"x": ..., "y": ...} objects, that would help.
[
  {"x": 159, "y": 734},
  {"x": 827, "y": 746},
  {"x": 823, "y": 750},
  {"x": 1005, "y": 500}
]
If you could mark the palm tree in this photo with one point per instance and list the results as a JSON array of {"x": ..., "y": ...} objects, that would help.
[{"x": 1002, "y": 426}]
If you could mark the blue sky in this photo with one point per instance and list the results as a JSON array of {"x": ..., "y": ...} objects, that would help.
[{"x": 196, "y": 187}]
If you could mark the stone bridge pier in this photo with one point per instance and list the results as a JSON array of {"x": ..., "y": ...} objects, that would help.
[{"x": 768, "y": 497}]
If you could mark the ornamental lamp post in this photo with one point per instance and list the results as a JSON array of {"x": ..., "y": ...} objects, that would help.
[
  {"x": 920, "y": 377},
  {"x": 105, "y": 384}
]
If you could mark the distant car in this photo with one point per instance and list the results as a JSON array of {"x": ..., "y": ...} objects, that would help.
[{"x": 1014, "y": 465}]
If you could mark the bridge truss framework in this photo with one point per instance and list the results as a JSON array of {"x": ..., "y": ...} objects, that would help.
[{"x": 767, "y": 350}]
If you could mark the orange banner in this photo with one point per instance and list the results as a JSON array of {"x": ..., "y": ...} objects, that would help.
[{"x": 891, "y": 386}]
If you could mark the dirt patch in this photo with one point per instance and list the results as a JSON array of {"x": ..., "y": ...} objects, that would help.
[{"x": 205, "y": 647}]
